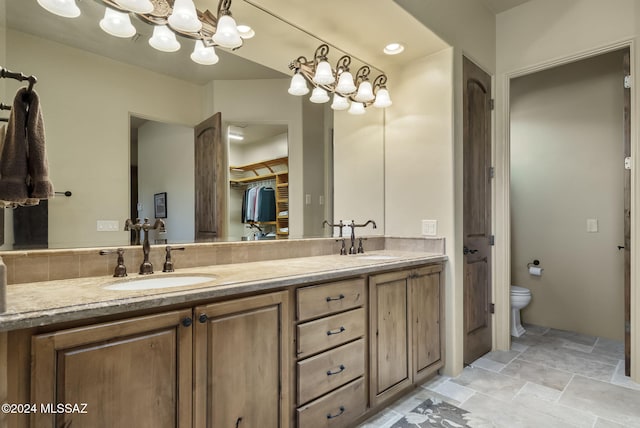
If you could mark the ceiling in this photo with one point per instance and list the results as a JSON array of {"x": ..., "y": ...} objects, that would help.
[{"x": 498, "y": 6}]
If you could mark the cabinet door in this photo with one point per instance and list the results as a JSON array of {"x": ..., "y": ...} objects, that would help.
[
  {"x": 134, "y": 372},
  {"x": 389, "y": 335},
  {"x": 426, "y": 312},
  {"x": 241, "y": 363}
]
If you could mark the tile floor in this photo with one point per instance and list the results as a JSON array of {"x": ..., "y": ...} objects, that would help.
[{"x": 550, "y": 378}]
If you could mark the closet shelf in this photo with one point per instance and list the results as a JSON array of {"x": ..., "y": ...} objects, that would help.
[{"x": 265, "y": 170}]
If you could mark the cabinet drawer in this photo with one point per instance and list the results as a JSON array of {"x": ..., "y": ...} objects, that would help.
[
  {"x": 316, "y": 336},
  {"x": 330, "y": 298},
  {"x": 337, "y": 409},
  {"x": 324, "y": 372}
]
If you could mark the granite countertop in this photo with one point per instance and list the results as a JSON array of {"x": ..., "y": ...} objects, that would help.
[{"x": 43, "y": 303}]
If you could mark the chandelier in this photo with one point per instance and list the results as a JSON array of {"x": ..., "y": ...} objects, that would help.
[
  {"x": 349, "y": 92},
  {"x": 168, "y": 17}
]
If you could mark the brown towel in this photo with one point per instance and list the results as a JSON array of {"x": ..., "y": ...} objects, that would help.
[{"x": 24, "y": 171}]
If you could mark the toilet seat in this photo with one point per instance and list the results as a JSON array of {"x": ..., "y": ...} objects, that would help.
[{"x": 515, "y": 290}]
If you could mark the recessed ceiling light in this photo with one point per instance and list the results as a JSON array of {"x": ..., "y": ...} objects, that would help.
[
  {"x": 393, "y": 48},
  {"x": 245, "y": 31}
]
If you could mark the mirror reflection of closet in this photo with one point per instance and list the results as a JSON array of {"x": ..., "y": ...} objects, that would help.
[{"x": 258, "y": 159}]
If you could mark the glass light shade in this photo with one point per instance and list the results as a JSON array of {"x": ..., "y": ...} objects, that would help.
[
  {"x": 184, "y": 17},
  {"x": 64, "y": 8},
  {"x": 356, "y": 108},
  {"x": 319, "y": 96},
  {"x": 298, "y": 85},
  {"x": 339, "y": 103},
  {"x": 245, "y": 31},
  {"x": 137, "y": 6},
  {"x": 117, "y": 23},
  {"x": 324, "y": 74},
  {"x": 204, "y": 55},
  {"x": 365, "y": 92},
  {"x": 345, "y": 83},
  {"x": 382, "y": 98},
  {"x": 227, "y": 34},
  {"x": 164, "y": 39}
]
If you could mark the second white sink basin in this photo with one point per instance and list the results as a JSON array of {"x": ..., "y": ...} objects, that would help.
[{"x": 159, "y": 282}]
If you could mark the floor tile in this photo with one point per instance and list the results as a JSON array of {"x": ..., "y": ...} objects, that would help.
[
  {"x": 611, "y": 402},
  {"x": 539, "y": 373},
  {"x": 569, "y": 361},
  {"x": 543, "y": 400},
  {"x": 620, "y": 379},
  {"x": 487, "y": 382},
  {"x": 453, "y": 391},
  {"x": 570, "y": 336},
  {"x": 488, "y": 364}
]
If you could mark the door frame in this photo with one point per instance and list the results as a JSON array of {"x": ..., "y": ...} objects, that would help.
[{"x": 502, "y": 336}]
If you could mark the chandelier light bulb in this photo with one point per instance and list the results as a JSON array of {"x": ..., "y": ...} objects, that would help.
[
  {"x": 298, "y": 85},
  {"x": 319, "y": 96},
  {"x": 227, "y": 34},
  {"x": 365, "y": 92},
  {"x": 204, "y": 55},
  {"x": 245, "y": 31},
  {"x": 117, "y": 23},
  {"x": 184, "y": 17},
  {"x": 64, "y": 8},
  {"x": 164, "y": 39},
  {"x": 339, "y": 103},
  {"x": 324, "y": 74},
  {"x": 345, "y": 84},
  {"x": 356, "y": 108},
  {"x": 382, "y": 98},
  {"x": 137, "y": 6}
]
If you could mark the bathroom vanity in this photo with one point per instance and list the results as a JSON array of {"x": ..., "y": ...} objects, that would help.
[{"x": 318, "y": 341}]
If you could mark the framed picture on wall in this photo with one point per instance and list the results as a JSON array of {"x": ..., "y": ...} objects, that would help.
[{"x": 160, "y": 205}]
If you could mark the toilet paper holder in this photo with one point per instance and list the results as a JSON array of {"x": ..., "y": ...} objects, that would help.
[{"x": 536, "y": 262}]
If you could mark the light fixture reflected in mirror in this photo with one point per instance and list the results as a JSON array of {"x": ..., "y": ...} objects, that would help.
[
  {"x": 168, "y": 18},
  {"x": 349, "y": 93}
]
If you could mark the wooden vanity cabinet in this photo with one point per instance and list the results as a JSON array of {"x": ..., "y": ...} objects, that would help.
[
  {"x": 241, "y": 363},
  {"x": 134, "y": 372},
  {"x": 406, "y": 336},
  {"x": 331, "y": 354}
]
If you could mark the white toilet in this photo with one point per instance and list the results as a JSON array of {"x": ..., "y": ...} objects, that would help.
[{"x": 520, "y": 298}]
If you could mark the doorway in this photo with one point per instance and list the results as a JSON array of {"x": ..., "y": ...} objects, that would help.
[{"x": 567, "y": 194}]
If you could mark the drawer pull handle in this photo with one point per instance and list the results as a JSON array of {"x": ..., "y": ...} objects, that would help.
[
  {"x": 340, "y": 297},
  {"x": 338, "y": 331},
  {"x": 341, "y": 369},
  {"x": 330, "y": 416}
]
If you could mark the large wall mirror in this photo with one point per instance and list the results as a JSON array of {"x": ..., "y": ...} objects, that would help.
[{"x": 112, "y": 105}]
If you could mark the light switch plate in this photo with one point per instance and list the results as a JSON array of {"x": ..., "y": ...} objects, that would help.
[
  {"x": 107, "y": 225},
  {"x": 429, "y": 227},
  {"x": 592, "y": 225}
]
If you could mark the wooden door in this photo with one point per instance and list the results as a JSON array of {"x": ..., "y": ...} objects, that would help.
[
  {"x": 389, "y": 335},
  {"x": 131, "y": 373},
  {"x": 627, "y": 217},
  {"x": 476, "y": 211},
  {"x": 210, "y": 179},
  {"x": 426, "y": 311},
  {"x": 241, "y": 363}
]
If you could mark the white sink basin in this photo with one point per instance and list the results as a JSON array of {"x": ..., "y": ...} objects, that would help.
[
  {"x": 377, "y": 257},
  {"x": 158, "y": 282}
]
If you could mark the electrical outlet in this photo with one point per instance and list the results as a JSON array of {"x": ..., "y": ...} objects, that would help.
[
  {"x": 429, "y": 227},
  {"x": 307, "y": 199},
  {"x": 107, "y": 225},
  {"x": 592, "y": 225}
]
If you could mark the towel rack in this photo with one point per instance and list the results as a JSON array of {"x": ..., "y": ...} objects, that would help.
[
  {"x": 4, "y": 107},
  {"x": 4, "y": 73}
]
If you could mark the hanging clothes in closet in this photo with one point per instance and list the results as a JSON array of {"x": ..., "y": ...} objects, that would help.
[{"x": 259, "y": 204}]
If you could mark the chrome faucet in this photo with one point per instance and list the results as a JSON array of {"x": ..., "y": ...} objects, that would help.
[
  {"x": 146, "y": 267},
  {"x": 353, "y": 225}
]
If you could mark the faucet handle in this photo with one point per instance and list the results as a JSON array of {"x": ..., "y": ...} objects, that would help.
[
  {"x": 343, "y": 249},
  {"x": 360, "y": 249},
  {"x": 120, "y": 270},
  {"x": 168, "y": 263}
]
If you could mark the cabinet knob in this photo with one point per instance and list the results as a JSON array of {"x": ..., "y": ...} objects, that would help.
[
  {"x": 203, "y": 318},
  {"x": 187, "y": 322},
  {"x": 330, "y": 416}
]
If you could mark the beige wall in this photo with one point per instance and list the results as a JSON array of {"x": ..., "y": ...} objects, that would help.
[
  {"x": 86, "y": 101},
  {"x": 566, "y": 151},
  {"x": 540, "y": 34}
]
